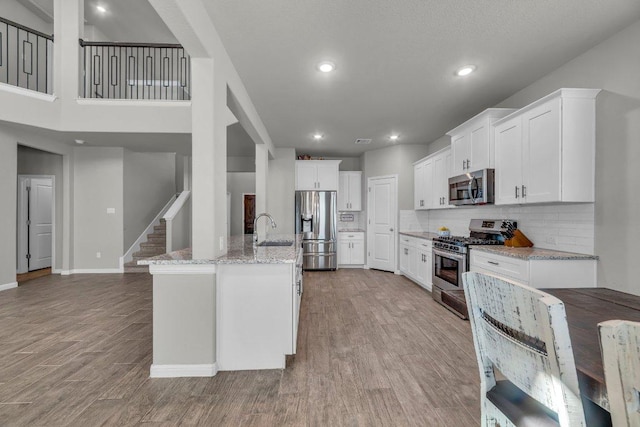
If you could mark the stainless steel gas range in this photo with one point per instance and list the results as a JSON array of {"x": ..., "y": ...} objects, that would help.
[{"x": 451, "y": 254}]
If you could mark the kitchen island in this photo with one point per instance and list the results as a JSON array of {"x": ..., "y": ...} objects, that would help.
[{"x": 239, "y": 311}]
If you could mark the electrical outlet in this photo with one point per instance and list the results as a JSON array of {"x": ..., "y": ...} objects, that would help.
[
  {"x": 111, "y": 210},
  {"x": 221, "y": 243},
  {"x": 551, "y": 240},
  {"x": 98, "y": 254}
]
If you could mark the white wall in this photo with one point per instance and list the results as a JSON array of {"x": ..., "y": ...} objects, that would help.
[
  {"x": 238, "y": 183},
  {"x": 98, "y": 178},
  {"x": 37, "y": 162},
  {"x": 149, "y": 183},
  {"x": 348, "y": 163},
  {"x": 397, "y": 159},
  {"x": 281, "y": 191}
]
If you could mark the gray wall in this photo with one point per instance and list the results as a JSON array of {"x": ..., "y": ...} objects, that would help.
[
  {"x": 149, "y": 183},
  {"x": 98, "y": 178},
  {"x": 395, "y": 160},
  {"x": 238, "y": 183},
  {"x": 8, "y": 193},
  {"x": 612, "y": 66},
  {"x": 281, "y": 190},
  {"x": 14, "y": 11},
  {"x": 241, "y": 164},
  {"x": 348, "y": 163},
  {"x": 37, "y": 162}
]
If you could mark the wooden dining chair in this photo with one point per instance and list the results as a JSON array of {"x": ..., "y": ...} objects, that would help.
[
  {"x": 620, "y": 345},
  {"x": 522, "y": 333}
]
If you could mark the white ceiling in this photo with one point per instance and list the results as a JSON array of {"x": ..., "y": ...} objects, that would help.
[{"x": 395, "y": 61}]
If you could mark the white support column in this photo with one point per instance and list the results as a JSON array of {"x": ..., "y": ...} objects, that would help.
[
  {"x": 209, "y": 165},
  {"x": 262, "y": 176},
  {"x": 68, "y": 29}
]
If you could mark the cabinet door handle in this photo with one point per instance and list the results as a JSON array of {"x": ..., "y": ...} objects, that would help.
[
  {"x": 493, "y": 263},
  {"x": 524, "y": 191},
  {"x": 299, "y": 287},
  {"x": 517, "y": 191},
  {"x": 468, "y": 164},
  {"x": 463, "y": 163}
]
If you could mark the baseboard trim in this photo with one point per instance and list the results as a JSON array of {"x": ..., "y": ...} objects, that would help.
[
  {"x": 7, "y": 286},
  {"x": 183, "y": 371},
  {"x": 93, "y": 271},
  {"x": 360, "y": 266}
]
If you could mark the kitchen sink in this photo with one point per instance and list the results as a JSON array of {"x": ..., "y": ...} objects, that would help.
[{"x": 276, "y": 243}]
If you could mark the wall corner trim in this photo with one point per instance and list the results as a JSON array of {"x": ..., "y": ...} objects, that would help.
[
  {"x": 183, "y": 371},
  {"x": 8, "y": 286}
]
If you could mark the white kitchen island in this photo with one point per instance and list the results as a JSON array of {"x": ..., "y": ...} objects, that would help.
[{"x": 237, "y": 312}]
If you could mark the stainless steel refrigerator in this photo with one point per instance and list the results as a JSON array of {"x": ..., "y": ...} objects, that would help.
[{"x": 316, "y": 218}]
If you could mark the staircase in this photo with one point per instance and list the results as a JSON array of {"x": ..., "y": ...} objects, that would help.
[{"x": 155, "y": 245}]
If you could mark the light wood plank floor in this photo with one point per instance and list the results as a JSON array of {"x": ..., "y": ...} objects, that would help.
[{"x": 373, "y": 349}]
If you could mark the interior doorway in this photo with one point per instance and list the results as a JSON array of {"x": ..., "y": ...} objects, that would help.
[
  {"x": 36, "y": 223},
  {"x": 248, "y": 212}
]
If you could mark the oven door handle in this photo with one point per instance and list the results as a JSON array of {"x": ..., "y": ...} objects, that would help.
[{"x": 445, "y": 254}]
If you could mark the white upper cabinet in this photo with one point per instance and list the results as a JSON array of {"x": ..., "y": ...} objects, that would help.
[
  {"x": 431, "y": 181},
  {"x": 472, "y": 143},
  {"x": 350, "y": 191},
  {"x": 545, "y": 152},
  {"x": 317, "y": 175}
]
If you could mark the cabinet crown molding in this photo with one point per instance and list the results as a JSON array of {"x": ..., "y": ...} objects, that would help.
[
  {"x": 489, "y": 113},
  {"x": 583, "y": 93}
]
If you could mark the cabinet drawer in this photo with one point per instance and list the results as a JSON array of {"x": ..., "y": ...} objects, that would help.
[
  {"x": 350, "y": 235},
  {"x": 408, "y": 241},
  {"x": 500, "y": 266},
  {"x": 424, "y": 244}
]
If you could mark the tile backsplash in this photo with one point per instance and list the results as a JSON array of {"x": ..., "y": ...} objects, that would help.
[
  {"x": 358, "y": 222},
  {"x": 565, "y": 227}
]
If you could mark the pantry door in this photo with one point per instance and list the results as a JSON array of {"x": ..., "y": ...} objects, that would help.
[{"x": 382, "y": 196}]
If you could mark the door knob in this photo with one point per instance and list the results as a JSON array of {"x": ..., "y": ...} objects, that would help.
[{"x": 391, "y": 229}]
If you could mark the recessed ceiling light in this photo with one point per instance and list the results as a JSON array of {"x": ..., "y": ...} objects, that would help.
[
  {"x": 326, "y": 66},
  {"x": 394, "y": 137},
  {"x": 466, "y": 70},
  {"x": 101, "y": 9},
  {"x": 317, "y": 136},
  {"x": 80, "y": 141}
]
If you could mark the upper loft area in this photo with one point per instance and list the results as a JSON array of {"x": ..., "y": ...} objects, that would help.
[{"x": 117, "y": 55}]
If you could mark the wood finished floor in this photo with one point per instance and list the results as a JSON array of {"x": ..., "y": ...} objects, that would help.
[{"x": 373, "y": 349}]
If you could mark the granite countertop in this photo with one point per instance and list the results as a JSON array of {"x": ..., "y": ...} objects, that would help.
[
  {"x": 533, "y": 253},
  {"x": 351, "y": 230},
  {"x": 239, "y": 251},
  {"x": 420, "y": 234}
]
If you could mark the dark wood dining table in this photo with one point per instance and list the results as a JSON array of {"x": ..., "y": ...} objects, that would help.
[{"x": 585, "y": 308}]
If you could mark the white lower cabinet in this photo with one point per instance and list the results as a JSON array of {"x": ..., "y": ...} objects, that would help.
[
  {"x": 351, "y": 248},
  {"x": 416, "y": 260},
  {"x": 537, "y": 273}
]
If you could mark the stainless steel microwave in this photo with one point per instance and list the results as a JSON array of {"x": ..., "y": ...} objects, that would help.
[{"x": 473, "y": 188}]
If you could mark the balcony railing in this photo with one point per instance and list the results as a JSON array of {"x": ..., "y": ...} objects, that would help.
[
  {"x": 26, "y": 56},
  {"x": 135, "y": 71}
]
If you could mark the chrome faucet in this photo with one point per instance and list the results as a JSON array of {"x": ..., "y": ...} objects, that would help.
[{"x": 255, "y": 225}]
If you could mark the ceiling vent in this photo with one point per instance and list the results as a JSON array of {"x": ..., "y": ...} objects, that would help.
[{"x": 363, "y": 141}]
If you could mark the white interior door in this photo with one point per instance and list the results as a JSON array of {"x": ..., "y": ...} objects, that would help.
[
  {"x": 40, "y": 223},
  {"x": 383, "y": 214}
]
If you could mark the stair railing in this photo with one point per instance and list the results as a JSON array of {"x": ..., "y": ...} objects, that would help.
[
  {"x": 178, "y": 223},
  {"x": 152, "y": 71},
  {"x": 26, "y": 57}
]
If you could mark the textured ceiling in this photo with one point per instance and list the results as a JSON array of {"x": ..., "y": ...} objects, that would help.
[{"x": 396, "y": 59}]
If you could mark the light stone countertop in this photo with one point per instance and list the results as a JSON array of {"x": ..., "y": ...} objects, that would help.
[
  {"x": 420, "y": 234},
  {"x": 533, "y": 253},
  {"x": 239, "y": 251}
]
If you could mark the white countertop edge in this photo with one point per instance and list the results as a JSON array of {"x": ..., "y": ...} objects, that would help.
[{"x": 182, "y": 268}]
